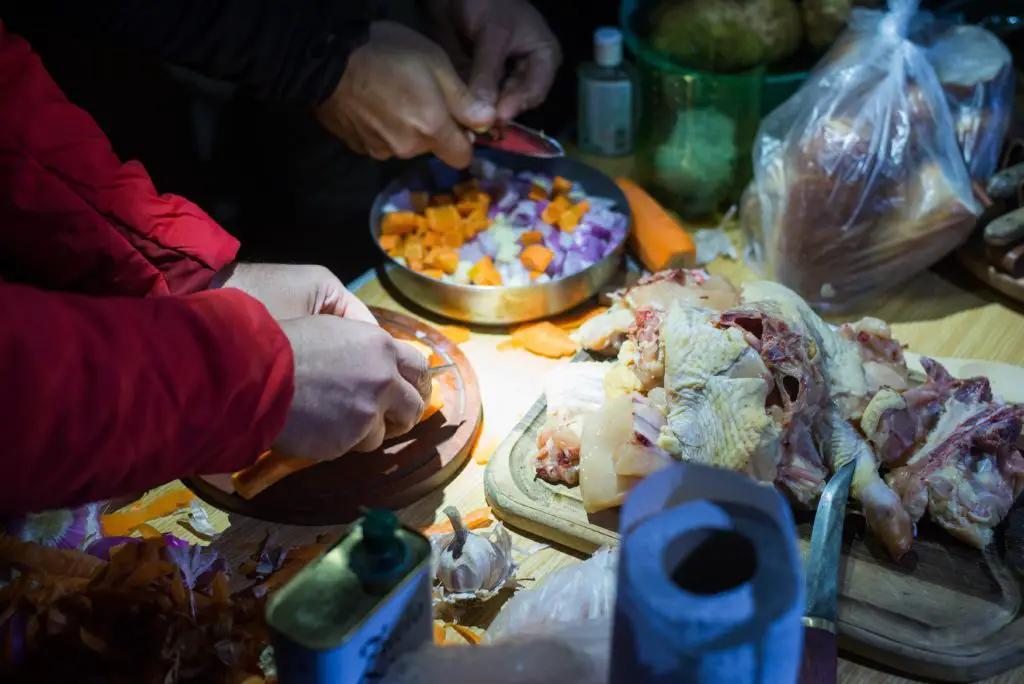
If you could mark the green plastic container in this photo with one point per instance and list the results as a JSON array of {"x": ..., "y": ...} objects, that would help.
[{"x": 697, "y": 129}]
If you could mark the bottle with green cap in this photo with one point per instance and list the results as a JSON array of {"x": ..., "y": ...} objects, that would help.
[{"x": 349, "y": 614}]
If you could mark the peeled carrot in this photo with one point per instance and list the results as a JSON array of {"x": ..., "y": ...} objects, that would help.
[
  {"x": 122, "y": 523},
  {"x": 474, "y": 520},
  {"x": 561, "y": 186},
  {"x": 536, "y": 257},
  {"x": 434, "y": 273},
  {"x": 545, "y": 339},
  {"x": 573, "y": 321},
  {"x": 389, "y": 243},
  {"x": 436, "y": 402},
  {"x": 267, "y": 470},
  {"x": 455, "y": 333},
  {"x": 658, "y": 240}
]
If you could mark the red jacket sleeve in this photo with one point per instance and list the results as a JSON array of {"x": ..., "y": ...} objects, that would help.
[
  {"x": 111, "y": 396},
  {"x": 72, "y": 216}
]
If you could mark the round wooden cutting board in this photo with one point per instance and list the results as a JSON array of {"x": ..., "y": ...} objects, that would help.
[{"x": 402, "y": 471}]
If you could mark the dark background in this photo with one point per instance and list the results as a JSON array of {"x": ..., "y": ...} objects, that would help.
[{"x": 268, "y": 173}]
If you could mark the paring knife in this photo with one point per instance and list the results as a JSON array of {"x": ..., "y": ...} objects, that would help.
[
  {"x": 437, "y": 370},
  {"x": 519, "y": 139},
  {"x": 820, "y": 655}
]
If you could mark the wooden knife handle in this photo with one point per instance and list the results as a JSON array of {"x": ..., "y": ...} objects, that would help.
[{"x": 820, "y": 658}]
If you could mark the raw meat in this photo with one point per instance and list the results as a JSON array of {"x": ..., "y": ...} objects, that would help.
[
  {"x": 760, "y": 384},
  {"x": 604, "y": 334},
  {"x": 572, "y": 391}
]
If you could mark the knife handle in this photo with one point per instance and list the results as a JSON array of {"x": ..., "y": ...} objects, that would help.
[{"x": 820, "y": 662}]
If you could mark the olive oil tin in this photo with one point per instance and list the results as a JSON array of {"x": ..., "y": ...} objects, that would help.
[{"x": 348, "y": 615}]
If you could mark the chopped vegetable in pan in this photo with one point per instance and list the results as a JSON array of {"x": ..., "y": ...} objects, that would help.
[{"x": 499, "y": 228}]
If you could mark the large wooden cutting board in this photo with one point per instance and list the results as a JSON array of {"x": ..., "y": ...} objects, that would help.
[{"x": 946, "y": 611}]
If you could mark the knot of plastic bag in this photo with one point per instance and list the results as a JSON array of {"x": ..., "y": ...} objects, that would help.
[{"x": 896, "y": 24}]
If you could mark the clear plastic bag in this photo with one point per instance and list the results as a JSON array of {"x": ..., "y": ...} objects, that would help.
[
  {"x": 581, "y": 592},
  {"x": 859, "y": 178}
]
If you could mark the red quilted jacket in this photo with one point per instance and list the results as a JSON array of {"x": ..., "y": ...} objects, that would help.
[{"x": 117, "y": 371}]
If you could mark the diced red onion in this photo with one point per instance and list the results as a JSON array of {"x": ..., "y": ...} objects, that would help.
[
  {"x": 401, "y": 201},
  {"x": 488, "y": 245},
  {"x": 524, "y": 214},
  {"x": 508, "y": 201},
  {"x": 472, "y": 251},
  {"x": 574, "y": 263},
  {"x": 554, "y": 268}
]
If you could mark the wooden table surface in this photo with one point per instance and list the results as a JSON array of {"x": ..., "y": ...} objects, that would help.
[{"x": 940, "y": 315}]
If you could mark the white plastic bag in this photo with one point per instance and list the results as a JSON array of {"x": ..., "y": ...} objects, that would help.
[
  {"x": 859, "y": 178},
  {"x": 581, "y": 592}
]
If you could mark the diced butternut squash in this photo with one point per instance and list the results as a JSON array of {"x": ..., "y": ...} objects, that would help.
[
  {"x": 398, "y": 223},
  {"x": 484, "y": 273},
  {"x": 536, "y": 274},
  {"x": 554, "y": 210},
  {"x": 453, "y": 238},
  {"x": 561, "y": 186},
  {"x": 447, "y": 260},
  {"x": 537, "y": 194},
  {"x": 531, "y": 237},
  {"x": 536, "y": 258},
  {"x": 415, "y": 264},
  {"x": 390, "y": 243},
  {"x": 413, "y": 249},
  {"x": 443, "y": 218}
]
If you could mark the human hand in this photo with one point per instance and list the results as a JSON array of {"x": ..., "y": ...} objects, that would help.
[
  {"x": 500, "y": 32},
  {"x": 400, "y": 96},
  {"x": 355, "y": 386},
  {"x": 292, "y": 291}
]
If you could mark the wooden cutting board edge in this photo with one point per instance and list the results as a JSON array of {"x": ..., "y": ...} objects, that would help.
[{"x": 516, "y": 509}]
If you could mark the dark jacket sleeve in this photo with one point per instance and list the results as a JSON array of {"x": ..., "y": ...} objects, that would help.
[{"x": 290, "y": 50}]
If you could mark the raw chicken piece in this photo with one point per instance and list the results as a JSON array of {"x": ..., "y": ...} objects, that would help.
[
  {"x": 798, "y": 401},
  {"x": 882, "y": 356},
  {"x": 572, "y": 391},
  {"x": 604, "y": 334},
  {"x": 842, "y": 364},
  {"x": 717, "y": 387},
  {"x": 641, "y": 361},
  {"x": 952, "y": 450},
  {"x": 882, "y": 506},
  {"x": 617, "y": 450},
  {"x": 897, "y": 422}
]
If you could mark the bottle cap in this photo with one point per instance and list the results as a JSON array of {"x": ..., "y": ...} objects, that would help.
[{"x": 608, "y": 47}]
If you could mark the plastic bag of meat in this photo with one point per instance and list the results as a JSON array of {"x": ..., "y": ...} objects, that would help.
[{"x": 859, "y": 178}]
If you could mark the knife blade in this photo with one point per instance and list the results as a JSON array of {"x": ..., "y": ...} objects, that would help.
[
  {"x": 820, "y": 659},
  {"x": 436, "y": 370},
  {"x": 519, "y": 139}
]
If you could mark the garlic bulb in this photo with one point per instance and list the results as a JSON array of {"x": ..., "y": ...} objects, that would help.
[{"x": 472, "y": 567}]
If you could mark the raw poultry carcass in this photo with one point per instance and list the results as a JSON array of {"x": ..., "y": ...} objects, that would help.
[
  {"x": 760, "y": 384},
  {"x": 951, "y": 451},
  {"x": 572, "y": 391},
  {"x": 604, "y": 334}
]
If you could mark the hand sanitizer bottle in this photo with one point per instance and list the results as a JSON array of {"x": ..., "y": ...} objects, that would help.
[{"x": 607, "y": 98}]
